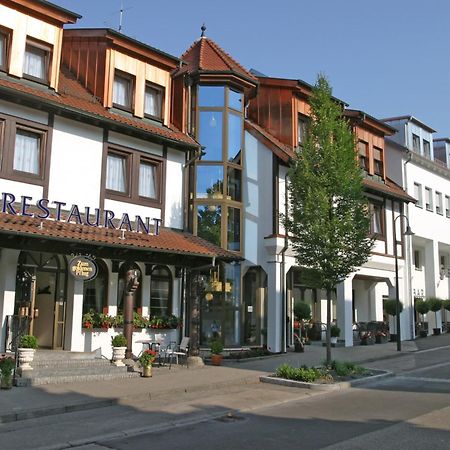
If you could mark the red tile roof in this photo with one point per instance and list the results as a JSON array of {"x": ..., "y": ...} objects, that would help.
[
  {"x": 168, "y": 241},
  {"x": 389, "y": 188},
  {"x": 282, "y": 151},
  {"x": 73, "y": 96},
  {"x": 205, "y": 55}
]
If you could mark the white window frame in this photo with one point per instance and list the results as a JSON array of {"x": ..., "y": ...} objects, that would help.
[
  {"x": 418, "y": 193},
  {"x": 429, "y": 204}
]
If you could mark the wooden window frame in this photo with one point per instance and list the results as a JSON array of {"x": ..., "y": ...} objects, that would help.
[
  {"x": 162, "y": 91},
  {"x": 134, "y": 159},
  {"x": 378, "y": 162},
  {"x": 302, "y": 119},
  {"x": 48, "y": 53},
  {"x": 8, "y": 128},
  {"x": 131, "y": 90},
  {"x": 363, "y": 158},
  {"x": 378, "y": 236},
  {"x": 5, "y": 34}
]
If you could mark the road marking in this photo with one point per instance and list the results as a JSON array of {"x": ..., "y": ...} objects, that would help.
[
  {"x": 432, "y": 349},
  {"x": 422, "y": 369},
  {"x": 428, "y": 380}
]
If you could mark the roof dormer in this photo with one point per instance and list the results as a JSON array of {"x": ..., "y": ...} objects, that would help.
[
  {"x": 122, "y": 73},
  {"x": 30, "y": 39}
]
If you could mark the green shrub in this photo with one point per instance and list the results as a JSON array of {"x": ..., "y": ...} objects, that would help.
[
  {"x": 28, "y": 341},
  {"x": 119, "y": 341},
  {"x": 335, "y": 331},
  {"x": 306, "y": 374},
  {"x": 216, "y": 347},
  {"x": 346, "y": 369},
  {"x": 422, "y": 306},
  {"x": 390, "y": 306},
  {"x": 302, "y": 311},
  {"x": 434, "y": 303},
  {"x": 446, "y": 304}
]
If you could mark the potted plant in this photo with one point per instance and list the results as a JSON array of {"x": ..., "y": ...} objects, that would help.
[
  {"x": 299, "y": 343},
  {"x": 302, "y": 313},
  {"x": 422, "y": 307},
  {"x": 7, "y": 364},
  {"x": 119, "y": 346},
  {"x": 146, "y": 360},
  {"x": 435, "y": 305},
  {"x": 216, "y": 353},
  {"x": 27, "y": 347},
  {"x": 390, "y": 306},
  {"x": 335, "y": 332},
  {"x": 446, "y": 305}
]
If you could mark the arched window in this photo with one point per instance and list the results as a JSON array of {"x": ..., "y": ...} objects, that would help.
[
  {"x": 95, "y": 292},
  {"x": 121, "y": 286},
  {"x": 160, "y": 292}
]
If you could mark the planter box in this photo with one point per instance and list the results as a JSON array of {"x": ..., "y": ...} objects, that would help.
[
  {"x": 381, "y": 339},
  {"x": 423, "y": 333},
  {"x": 436, "y": 331}
]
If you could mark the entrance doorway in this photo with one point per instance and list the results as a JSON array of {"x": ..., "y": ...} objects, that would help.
[{"x": 41, "y": 295}]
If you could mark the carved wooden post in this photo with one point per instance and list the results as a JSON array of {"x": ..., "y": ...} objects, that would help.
[{"x": 131, "y": 284}]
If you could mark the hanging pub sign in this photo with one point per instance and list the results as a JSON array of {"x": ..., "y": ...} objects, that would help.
[{"x": 83, "y": 268}]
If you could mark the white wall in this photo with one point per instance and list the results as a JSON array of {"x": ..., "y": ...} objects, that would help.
[{"x": 174, "y": 189}]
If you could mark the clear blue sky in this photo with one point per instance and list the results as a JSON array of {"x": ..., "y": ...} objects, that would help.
[{"x": 389, "y": 57}]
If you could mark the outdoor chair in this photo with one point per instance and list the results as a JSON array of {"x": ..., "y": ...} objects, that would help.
[{"x": 173, "y": 351}]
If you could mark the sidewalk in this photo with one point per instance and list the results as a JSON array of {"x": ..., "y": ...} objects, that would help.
[{"x": 24, "y": 403}]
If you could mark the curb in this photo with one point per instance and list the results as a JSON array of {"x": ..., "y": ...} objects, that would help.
[
  {"x": 271, "y": 379},
  {"x": 50, "y": 410}
]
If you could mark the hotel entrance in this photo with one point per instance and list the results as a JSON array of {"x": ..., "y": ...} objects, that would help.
[{"x": 41, "y": 296}]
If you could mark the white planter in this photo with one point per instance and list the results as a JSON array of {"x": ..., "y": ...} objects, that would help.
[
  {"x": 118, "y": 356},
  {"x": 333, "y": 339},
  {"x": 26, "y": 356}
]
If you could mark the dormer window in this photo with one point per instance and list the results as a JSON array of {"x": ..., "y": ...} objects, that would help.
[
  {"x": 153, "y": 103},
  {"x": 302, "y": 126},
  {"x": 3, "y": 51},
  {"x": 363, "y": 155},
  {"x": 378, "y": 161},
  {"x": 36, "y": 62},
  {"x": 416, "y": 143},
  {"x": 123, "y": 89},
  {"x": 426, "y": 149}
]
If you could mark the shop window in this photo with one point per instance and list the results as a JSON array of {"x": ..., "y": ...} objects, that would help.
[
  {"x": 418, "y": 195},
  {"x": 36, "y": 61},
  {"x": 153, "y": 101},
  {"x": 95, "y": 292},
  {"x": 363, "y": 155},
  {"x": 378, "y": 161},
  {"x": 134, "y": 176},
  {"x": 123, "y": 89},
  {"x": 160, "y": 292}
]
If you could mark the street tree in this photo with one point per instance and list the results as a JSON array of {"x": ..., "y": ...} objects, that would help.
[{"x": 328, "y": 216}]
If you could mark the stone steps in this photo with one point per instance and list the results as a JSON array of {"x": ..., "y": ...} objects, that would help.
[{"x": 55, "y": 367}]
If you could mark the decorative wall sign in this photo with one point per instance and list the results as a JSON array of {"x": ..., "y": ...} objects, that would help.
[{"x": 83, "y": 268}]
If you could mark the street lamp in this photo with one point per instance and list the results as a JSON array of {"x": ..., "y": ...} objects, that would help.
[{"x": 408, "y": 232}]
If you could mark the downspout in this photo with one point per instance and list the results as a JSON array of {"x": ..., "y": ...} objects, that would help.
[{"x": 283, "y": 275}]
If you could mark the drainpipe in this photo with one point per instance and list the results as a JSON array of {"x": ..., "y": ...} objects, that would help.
[{"x": 283, "y": 276}]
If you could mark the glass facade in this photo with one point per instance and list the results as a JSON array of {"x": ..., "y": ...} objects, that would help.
[{"x": 216, "y": 199}]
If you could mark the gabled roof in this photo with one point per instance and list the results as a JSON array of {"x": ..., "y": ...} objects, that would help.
[
  {"x": 205, "y": 56},
  {"x": 74, "y": 98},
  {"x": 46, "y": 10},
  {"x": 371, "y": 121}
]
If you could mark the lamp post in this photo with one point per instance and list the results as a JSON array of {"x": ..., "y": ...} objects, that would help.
[{"x": 408, "y": 232}]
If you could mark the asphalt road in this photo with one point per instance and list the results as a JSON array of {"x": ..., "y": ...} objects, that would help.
[{"x": 410, "y": 411}]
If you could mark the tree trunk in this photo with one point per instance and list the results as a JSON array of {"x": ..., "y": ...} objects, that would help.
[{"x": 328, "y": 338}]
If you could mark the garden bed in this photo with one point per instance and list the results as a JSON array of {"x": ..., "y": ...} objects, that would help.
[{"x": 336, "y": 377}]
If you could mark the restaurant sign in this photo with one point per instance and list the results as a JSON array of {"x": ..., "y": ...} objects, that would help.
[{"x": 83, "y": 268}]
